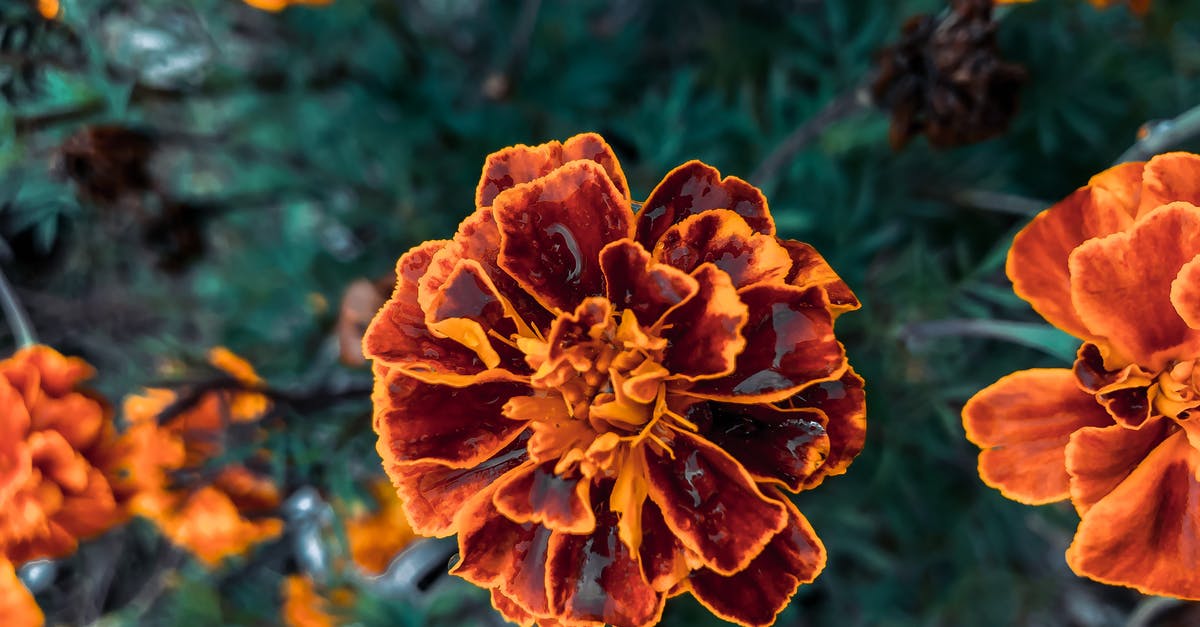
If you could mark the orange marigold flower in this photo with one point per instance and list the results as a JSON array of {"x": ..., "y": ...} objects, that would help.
[
  {"x": 278, "y": 5},
  {"x": 1116, "y": 264},
  {"x": 376, "y": 536},
  {"x": 162, "y": 466},
  {"x": 1137, "y": 6},
  {"x": 17, "y": 606},
  {"x": 607, "y": 407},
  {"x": 53, "y": 437},
  {"x": 304, "y": 606}
]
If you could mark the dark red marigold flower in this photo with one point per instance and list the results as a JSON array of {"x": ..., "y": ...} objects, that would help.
[{"x": 607, "y": 407}]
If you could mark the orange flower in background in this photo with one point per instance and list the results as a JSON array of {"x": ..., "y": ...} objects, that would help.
[
  {"x": 1141, "y": 7},
  {"x": 278, "y": 5},
  {"x": 607, "y": 407},
  {"x": 163, "y": 459},
  {"x": 375, "y": 535},
  {"x": 52, "y": 439},
  {"x": 1116, "y": 264},
  {"x": 17, "y": 606}
]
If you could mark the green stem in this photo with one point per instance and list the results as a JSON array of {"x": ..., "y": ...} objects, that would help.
[
  {"x": 1165, "y": 135},
  {"x": 17, "y": 320}
]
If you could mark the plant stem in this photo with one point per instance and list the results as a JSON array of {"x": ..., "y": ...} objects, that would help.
[
  {"x": 842, "y": 106},
  {"x": 18, "y": 321},
  {"x": 1165, "y": 135}
]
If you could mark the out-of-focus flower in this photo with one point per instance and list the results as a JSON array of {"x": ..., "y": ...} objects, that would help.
[
  {"x": 53, "y": 436},
  {"x": 304, "y": 606},
  {"x": 165, "y": 465},
  {"x": 375, "y": 534},
  {"x": 279, "y": 5},
  {"x": 1116, "y": 264},
  {"x": 1137, "y": 6},
  {"x": 17, "y": 606},
  {"x": 607, "y": 407},
  {"x": 361, "y": 300},
  {"x": 945, "y": 78},
  {"x": 48, "y": 8}
]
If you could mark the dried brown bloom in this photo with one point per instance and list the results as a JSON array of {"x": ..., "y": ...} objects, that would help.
[{"x": 946, "y": 80}]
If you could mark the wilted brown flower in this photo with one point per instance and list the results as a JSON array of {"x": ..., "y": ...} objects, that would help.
[{"x": 946, "y": 80}]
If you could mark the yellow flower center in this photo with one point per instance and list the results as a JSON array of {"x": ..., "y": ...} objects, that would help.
[
  {"x": 1176, "y": 391},
  {"x": 599, "y": 389}
]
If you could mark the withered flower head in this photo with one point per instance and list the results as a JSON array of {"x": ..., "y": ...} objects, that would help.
[
  {"x": 53, "y": 437},
  {"x": 607, "y": 407},
  {"x": 1116, "y": 264},
  {"x": 166, "y": 471},
  {"x": 945, "y": 78}
]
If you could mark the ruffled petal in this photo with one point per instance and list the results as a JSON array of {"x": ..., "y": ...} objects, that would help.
[
  {"x": 1121, "y": 287},
  {"x": 783, "y": 446},
  {"x": 693, "y": 188},
  {"x": 1167, "y": 178},
  {"x": 664, "y": 557},
  {"x": 705, "y": 331},
  {"x": 1125, "y": 393},
  {"x": 1185, "y": 293},
  {"x": 1037, "y": 261},
  {"x": 756, "y": 595},
  {"x": 511, "y": 610},
  {"x": 1100, "y": 458},
  {"x": 1146, "y": 533},
  {"x": 1023, "y": 422},
  {"x": 432, "y": 494},
  {"x": 843, "y": 405},
  {"x": 468, "y": 309},
  {"x": 595, "y": 578},
  {"x": 536, "y": 494},
  {"x": 553, "y": 229},
  {"x": 723, "y": 238},
  {"x": 478, "y": 239},
  {"x": 399, "y": 338},
  {"x": 810, "y": 269},
  {"x": 712, "y": 504},
  {"x": 634, "y": 281},
  {"x": 458, "y": 427},
  {"x": 495, "y": 552},
  {"x": 789, "y": 345},
  {"x": 519, "y": 164},
  {"x": 17, "y": 606}
]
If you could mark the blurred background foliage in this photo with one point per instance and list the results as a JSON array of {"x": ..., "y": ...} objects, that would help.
[{"x": 178, "y": 174}]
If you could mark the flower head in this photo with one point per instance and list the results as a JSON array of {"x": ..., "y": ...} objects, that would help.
[
  {"x": 165, "y": 469},
  {"x": 53, "y": 438},
  {"x": 1116, "y": 264},
  {"x": 605, "y": 406},
  {"x": 275, "y": 6}
]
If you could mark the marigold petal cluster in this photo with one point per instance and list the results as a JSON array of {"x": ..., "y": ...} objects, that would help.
[
  {"x": 17, "y": 606},
  {"x": 1116, "y": 264},
  {"x": 607, "y": 407},
  {"x": 54, "y": 439},
  {"x": 165, "y": 470},
  {"x": 276, "y": 6}
]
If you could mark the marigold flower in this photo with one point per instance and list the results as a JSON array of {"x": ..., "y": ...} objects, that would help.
[
  {"x": 163, "y": 464},
  {"x": 607, "y": 407},
  {"x": 53, "y": 436},
  {"x": 1141, "y": 7},
  {"x": 304, "y": 606},
  {"x": 275, "y": 6},
  {"x": 1116, "y": 264},
  {"x": 17, "y": 606},
  {"x": 375, "y": 536}
]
